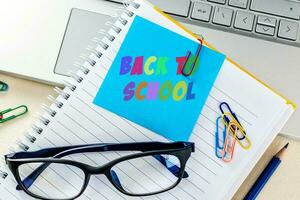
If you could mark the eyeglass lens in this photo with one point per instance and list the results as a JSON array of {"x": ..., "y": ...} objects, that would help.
[{"x": 57, "y": 181}]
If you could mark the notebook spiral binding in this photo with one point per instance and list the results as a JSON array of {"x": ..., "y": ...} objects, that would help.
[{"x": 84, "y": 70}]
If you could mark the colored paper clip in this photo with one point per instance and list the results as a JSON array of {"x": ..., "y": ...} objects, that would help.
[
  {"x": 3, "y": 86},
  {"x": 237, "y": 131},
  {"x": 20, "y": 110},
  {"x": 195, "y": 60},
  {"x": 227, "y": 107},
  {"x": 229, "y": 143},
  {"x": 220, "y": 147},
  {"x": 246, "y": 143}
]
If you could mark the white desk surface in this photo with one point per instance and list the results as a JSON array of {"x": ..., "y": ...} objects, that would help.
[{"x": 284, "y": 184}]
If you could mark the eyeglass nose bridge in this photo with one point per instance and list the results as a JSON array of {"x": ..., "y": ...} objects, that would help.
[
  {"x": 98, "y": 170},
  {"x": 106, "y": 171}
]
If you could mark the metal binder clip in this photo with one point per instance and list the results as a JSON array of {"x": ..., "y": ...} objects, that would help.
[
  {"x": 20, "y": 110},
  {"x": 226, "y": 119},
  {"x": 194, "y": 62},
  {"x": 220, "y": 147},
  {"x": 3, "y": 86}
]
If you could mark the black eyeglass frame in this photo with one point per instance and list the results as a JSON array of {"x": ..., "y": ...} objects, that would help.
[{"x": 182, "y": 150}]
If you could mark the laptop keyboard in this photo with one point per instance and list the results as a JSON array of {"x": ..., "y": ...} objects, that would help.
[{"x": 272, "y": 20}]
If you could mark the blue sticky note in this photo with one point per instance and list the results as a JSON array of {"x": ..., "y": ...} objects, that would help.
[{"x": 145, "y": 84}]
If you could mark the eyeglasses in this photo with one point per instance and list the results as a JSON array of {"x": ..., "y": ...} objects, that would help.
[{"x": 53, "y": 173}]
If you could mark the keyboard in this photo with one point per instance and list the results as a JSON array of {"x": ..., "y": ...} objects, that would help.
[{"x": 272, "y": 20}]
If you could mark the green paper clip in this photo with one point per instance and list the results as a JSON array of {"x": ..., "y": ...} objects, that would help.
[
  {"x": 3, "y": 86},
  {"x": 21, "y": 110}
]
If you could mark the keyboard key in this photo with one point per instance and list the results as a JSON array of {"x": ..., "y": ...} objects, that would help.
[
  {"x": 266, "y": 30},
  {"x": 218, "y": 1},
  {"x": 201, "y": 11},
  {"x": 268, "y": 21},
  {"x": 288, "y": 30},
  {"x": 180, "y": 8},
  {"x": 238, "y": 3},
  {"x": 244, "y": 20},
  {"x": 284, "y": 8},
  {"x": 223, "y": 16}
]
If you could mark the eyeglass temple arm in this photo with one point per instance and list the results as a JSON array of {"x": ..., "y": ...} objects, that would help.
[
  {"x": 29, "y": 180},
  {"x": 138, "y": 146},
  {"x": 174, "y": 169}
]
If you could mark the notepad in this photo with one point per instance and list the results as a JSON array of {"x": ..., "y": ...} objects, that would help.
[{"x": 262, "y": 112}]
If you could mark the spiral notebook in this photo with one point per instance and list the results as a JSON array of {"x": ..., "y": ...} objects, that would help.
[{"x": 74, "y": 119}]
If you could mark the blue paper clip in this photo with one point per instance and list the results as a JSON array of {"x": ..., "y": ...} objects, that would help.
[
  {"x": 232, "y": 113},
  {"x": 220, "y": 148}
]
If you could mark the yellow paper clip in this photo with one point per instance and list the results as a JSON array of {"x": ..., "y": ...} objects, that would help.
[
  {"x": 237, "y": 130},
  {"x": 229, "y": 144},
  {"x": 14, "y": 112}
]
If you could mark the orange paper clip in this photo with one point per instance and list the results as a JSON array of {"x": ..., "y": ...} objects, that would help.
[{"x": 230, "y": 140}]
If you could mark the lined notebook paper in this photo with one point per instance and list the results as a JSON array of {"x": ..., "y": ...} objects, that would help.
[{"x": 261, "y": 111}]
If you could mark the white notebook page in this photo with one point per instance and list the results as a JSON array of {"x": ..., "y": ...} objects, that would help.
[{"x": 81, "y": 122}]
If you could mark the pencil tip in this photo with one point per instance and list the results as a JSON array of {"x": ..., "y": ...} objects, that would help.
[
  {"x": 281, "y": 153},
  {"x": 286, "y": 146}
]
